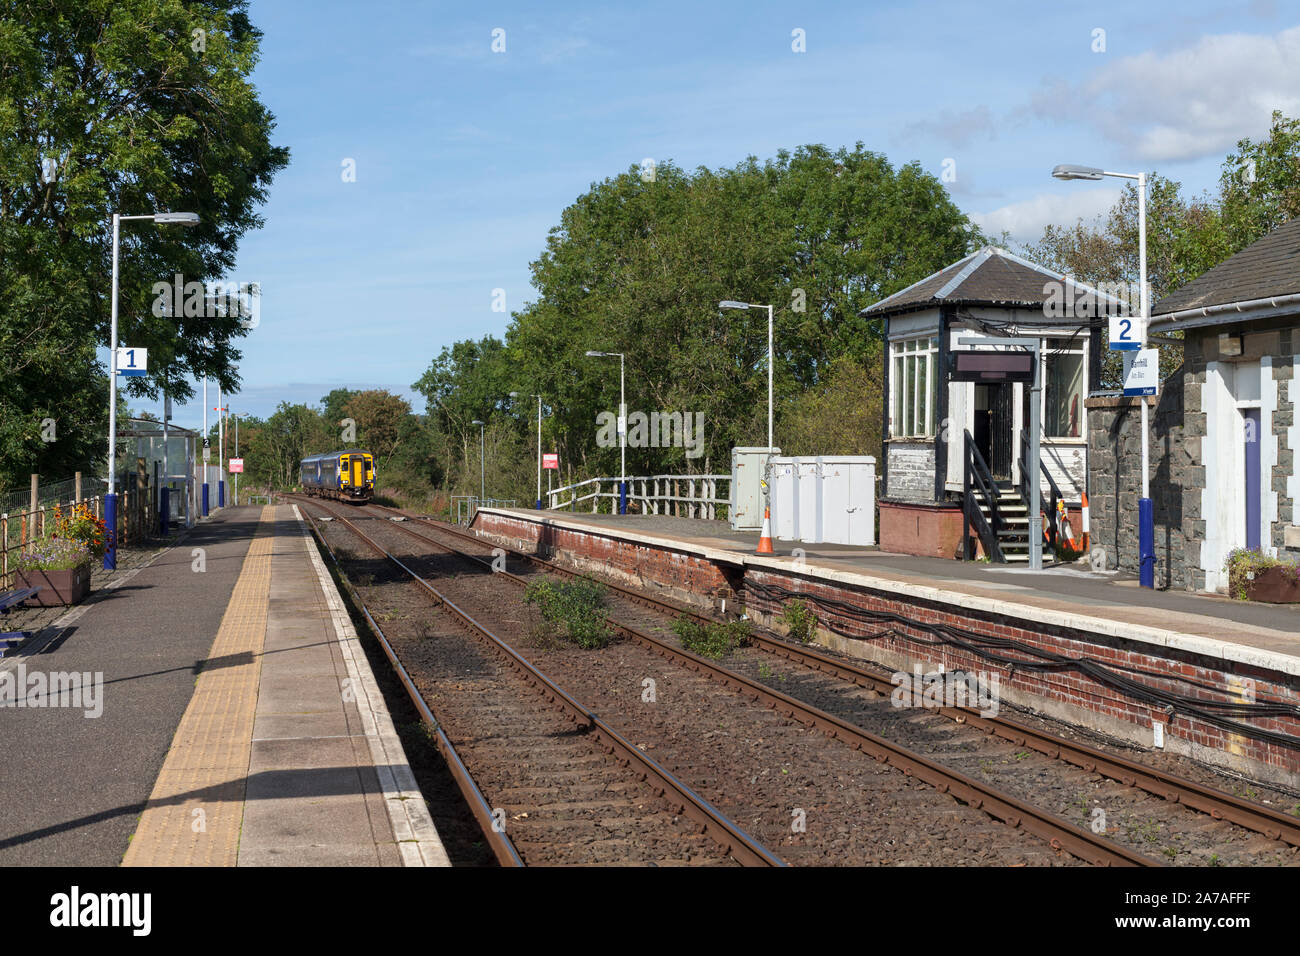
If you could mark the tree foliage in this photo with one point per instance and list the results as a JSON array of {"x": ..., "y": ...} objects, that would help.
[
  {"x": 638, "y": 266},
  {"x": 117, "y": 107}
]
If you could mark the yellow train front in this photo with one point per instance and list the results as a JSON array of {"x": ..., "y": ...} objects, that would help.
[{"x": 345, "y": 475}]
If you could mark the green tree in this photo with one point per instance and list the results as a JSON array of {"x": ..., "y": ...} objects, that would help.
[
  {"x": 128, "y": 107},
  {"x": 639, "y": 267}
]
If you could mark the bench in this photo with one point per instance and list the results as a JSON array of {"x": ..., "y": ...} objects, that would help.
[{"x": 11, "y": 599}]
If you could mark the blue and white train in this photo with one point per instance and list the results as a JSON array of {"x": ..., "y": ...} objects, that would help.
[{"x": 345, "y": 475}]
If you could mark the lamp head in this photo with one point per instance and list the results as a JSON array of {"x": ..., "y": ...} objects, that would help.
[
  {"x": 1071, "y": 171},
  {"x": 176, "y": 218},
  {"x": 730, "y": 304}
]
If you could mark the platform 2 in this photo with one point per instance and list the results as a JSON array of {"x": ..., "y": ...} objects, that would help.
[
  {"x": 215, "y": 708},
  {"x": 1195, "y": 647}
]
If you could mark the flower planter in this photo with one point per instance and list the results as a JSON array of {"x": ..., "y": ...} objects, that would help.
[
  {"x": 56, "y": 587},
  {"x": 1270, "y": 585}
]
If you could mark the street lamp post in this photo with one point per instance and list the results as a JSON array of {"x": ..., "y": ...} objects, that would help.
[
  {"x": 206, "y": 454},
  {"x": 221, "y": 449},
  {"x": 731, "y": 304},
  {"x": 482, "y": 462},
  {"x": 539, "y": 445},
  {"x": 110, "y": 499},
  {"x": 1146, "y": 510},
  {"x": 622, "y": 429}
]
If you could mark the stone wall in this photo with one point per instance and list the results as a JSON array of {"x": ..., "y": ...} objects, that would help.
[
  {"x": 910, "y": 472},
  {"x": 1286, "y": 365},
  {"x": 1115, "y": 483}
]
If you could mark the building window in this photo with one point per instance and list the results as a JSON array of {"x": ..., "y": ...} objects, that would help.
[
  {"x": 1063, "y": 388},
  {"x": 915, "y": 393}
]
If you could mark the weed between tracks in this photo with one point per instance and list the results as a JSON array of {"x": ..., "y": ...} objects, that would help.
[
  {"x": 711, "y": 640},
  {"x": 573, "y": 611}
]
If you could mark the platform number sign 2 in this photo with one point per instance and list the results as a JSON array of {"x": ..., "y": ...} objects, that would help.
[
  {"x": 1126, "y": 333},
  {"x": 132, "y": 361}
]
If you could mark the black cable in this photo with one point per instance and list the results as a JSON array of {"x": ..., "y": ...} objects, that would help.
[{"x": 1209, "y": 711}]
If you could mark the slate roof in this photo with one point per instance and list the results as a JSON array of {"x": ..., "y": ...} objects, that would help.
[
  {"x": 1266, "y": 268},
  {"x": 990, "y": 277}
]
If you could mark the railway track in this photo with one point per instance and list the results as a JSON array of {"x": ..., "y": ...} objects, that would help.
[
  {"x": 556, "y": 759},
  {"x": 1001, "y": 806},
  {"x": 1216, "y": 804}
]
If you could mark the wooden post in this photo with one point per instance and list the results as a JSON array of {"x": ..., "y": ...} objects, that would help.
[
  {"x": 77, "y": 492},
  {"x": 31, "y": 511},
  {"x": 4, "y": 549},
  {"x": 40, "y": 522}
]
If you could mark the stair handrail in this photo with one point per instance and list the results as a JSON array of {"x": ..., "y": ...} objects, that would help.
[
  {"x": 976, "y": 477},
  {"x": 1050, "y": 526}
]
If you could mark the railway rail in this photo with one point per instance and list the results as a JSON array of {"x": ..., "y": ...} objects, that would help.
[
  {"x": 1004, "y": 807},
  {"x": 1217, "y": 804},
  {"x": 733, "y": 840}
]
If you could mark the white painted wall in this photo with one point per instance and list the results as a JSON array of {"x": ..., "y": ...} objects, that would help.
[
  {"x": 1267, "y": 455},
  {"x": 911, "y": 471},
  {"x": 1223, "y": 506}
]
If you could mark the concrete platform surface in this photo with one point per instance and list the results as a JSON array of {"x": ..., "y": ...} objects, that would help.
[{"x": 240, "y": 723}]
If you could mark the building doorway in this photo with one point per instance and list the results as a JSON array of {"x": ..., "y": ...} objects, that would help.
[{"x": 992, "y": 431}]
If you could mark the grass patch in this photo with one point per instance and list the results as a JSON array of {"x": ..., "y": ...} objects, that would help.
[
  {"x": 800, "y": 621},
  {"x": 574, "y": 611},
  {"x": 711, "y": 640}
]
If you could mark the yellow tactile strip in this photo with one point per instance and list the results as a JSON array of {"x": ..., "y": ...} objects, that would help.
[{"x": 195, "y": 811}]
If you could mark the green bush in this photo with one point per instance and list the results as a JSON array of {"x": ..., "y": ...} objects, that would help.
[
  {"x": 711, "y": 640},
  {"x": 574, "y": 609},
  {"x": 800, "y": 621}
]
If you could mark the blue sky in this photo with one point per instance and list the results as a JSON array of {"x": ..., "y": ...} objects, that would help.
[{"x": 465, "y": 158}]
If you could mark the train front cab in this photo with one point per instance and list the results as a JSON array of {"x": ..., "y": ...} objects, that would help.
[{"x": 356, "y": 475}]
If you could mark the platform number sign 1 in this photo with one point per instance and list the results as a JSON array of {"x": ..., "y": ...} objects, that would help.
[
  {"x": 1126, "y": 333},
  {"x": 132, "y": 361}
]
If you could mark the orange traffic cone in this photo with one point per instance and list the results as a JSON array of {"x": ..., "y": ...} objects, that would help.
[{"x": 765, "y": 537}]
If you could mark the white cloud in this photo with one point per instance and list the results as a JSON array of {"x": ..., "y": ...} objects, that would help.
[
  {"x": 958, "y": 129},
  {"x": 1025, "y": 220},
  {"x": 1189, "y": 103}
]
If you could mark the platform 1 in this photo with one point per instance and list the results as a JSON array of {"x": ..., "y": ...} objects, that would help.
[
  {"x": 1177, "y": 642},
  {"x": 214, "y": 708}
]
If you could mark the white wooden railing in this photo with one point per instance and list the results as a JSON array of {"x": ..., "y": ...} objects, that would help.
[{"x": 685, "y": 496}]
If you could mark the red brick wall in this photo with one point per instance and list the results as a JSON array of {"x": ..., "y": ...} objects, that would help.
[
  {"x": 931, "y": 531},
  {"x": 691, "y": 577}
]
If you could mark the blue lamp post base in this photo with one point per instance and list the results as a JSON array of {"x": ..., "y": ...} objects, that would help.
[
  {"x": 205, "y": 499},
  {"x": 221, "y": 494},
  {"x": 1146, "y": 543},
  {"x": 110, "y": 524}
]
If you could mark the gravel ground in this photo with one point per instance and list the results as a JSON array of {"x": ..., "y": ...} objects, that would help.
[{"x": 811, "y": 799}]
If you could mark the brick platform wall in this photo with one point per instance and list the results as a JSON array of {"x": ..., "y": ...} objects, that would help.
[{"x": 1066, "y": 694}]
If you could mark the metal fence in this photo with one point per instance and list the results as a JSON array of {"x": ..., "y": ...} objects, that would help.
[
  {"x": 465, "y": 507},
  {"x": 683, "y": 496},
  {"x": 135, "y": 518}
]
